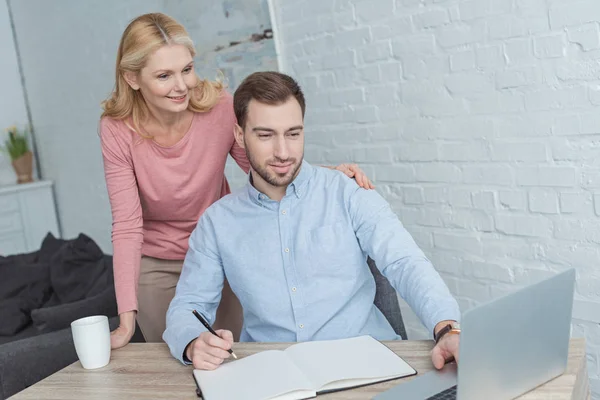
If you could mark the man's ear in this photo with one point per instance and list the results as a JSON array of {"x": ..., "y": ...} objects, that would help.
[
  {"x": 238, "y": 133},
  {"x": 131, "y": 79}
]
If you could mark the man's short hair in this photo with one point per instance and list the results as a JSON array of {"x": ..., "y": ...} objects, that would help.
[{"x": 268, "y": 87}]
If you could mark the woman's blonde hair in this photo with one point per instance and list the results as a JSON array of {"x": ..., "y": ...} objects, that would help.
[{"x": 142, "y": 37}]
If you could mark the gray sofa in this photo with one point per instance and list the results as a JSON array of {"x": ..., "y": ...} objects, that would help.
[
  {"x": 27, "y": 361},
  {"x": 40, "y": 351},
  {"x": 41, "y": 293}
]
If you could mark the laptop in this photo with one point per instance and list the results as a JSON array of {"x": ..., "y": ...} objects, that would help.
[{"x": 508, "y": 347}]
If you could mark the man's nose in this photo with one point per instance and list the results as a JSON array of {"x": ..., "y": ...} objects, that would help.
[{"x": 280, "y": 149}]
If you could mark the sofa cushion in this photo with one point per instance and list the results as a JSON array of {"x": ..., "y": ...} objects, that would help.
[
  {"x": 13, "y": 317},
  {"x": 23, "y": 289},
  {"x": 17, "y": 279},
  {"x": 78, "y": 270},
  {"x": 48, "y": 319}
]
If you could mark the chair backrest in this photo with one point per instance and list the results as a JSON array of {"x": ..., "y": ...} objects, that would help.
[{"x": 386, "y": 299}]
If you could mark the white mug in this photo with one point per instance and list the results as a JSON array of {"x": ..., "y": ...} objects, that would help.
[{"x": 91, "y": 336}]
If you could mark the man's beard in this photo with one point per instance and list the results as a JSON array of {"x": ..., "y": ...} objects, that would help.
[{"x": 273, "y": 178}]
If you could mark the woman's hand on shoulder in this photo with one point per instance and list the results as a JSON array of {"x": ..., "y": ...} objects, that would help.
[{"x": 354, "y": 171}]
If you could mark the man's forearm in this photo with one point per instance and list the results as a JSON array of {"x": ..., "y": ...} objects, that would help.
[
  {"x": 384, "y": 238},
  {"x": 424, "y": 290}
]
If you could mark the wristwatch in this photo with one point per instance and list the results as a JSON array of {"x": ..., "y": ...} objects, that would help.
[{"x": 451, "y": 328}]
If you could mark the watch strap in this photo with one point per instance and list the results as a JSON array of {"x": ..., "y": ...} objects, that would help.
[
  {"x": 442, "y": 332},
  {"x": 446, "y": 329}
]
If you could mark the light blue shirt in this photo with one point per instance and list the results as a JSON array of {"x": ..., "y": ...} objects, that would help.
[{"x": 298, "y": 266}]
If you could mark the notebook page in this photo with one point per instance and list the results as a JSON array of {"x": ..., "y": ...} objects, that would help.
[
  {"x": 347, "y": 362},
  {"x": 264, "y": 375}
]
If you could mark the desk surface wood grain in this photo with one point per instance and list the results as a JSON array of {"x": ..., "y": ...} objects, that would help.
[{"x": 148, "y": 371}]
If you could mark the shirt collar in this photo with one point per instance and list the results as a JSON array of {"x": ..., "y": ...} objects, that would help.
[{"x": 297, "y": 187}]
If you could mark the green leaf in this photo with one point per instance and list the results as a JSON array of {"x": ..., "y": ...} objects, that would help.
[{"x": 16, "y": 144}]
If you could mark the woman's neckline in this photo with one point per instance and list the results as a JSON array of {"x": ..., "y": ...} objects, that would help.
[{"x": 181, "y": 139}]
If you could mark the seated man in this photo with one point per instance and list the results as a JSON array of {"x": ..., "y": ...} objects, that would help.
[{"x": 293, "y": 244}]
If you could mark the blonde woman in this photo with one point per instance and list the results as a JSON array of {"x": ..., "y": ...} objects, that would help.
[{"x": 165, "y": 136}]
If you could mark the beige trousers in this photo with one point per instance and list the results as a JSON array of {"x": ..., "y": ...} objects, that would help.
[{"x": 158, "y": 279}]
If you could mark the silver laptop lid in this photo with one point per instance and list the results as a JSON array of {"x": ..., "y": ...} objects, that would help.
[{"x": 517, "y": 342}]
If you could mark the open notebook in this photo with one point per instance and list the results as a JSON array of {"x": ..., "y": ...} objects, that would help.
[{"x": 303, "y": 370}]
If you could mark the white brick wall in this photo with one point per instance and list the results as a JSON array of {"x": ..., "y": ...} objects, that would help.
[{"x": 478, "y": 120}]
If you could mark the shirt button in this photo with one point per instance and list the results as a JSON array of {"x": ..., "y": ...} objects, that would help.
[
  {"x": 301, "y": 326},
  {"x": 283, "y": 212},
  {"x": 287, "y": 250},
  {"x": 294, "y": 289}
]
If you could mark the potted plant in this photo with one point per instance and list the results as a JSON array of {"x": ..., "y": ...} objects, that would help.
[{"x": 18, "y": 149}]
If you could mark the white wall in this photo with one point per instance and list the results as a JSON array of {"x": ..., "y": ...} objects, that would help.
[
  {"x": 479, "y": 122},
  {"x": 12, "y": 103},
  {"x": 68, "y": 50},
  {"x": 68, "y": 55}
]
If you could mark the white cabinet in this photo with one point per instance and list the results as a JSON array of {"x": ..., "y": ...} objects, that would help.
[{"x": 27, "y": 214}]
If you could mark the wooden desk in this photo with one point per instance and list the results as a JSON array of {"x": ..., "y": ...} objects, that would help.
[{"x": 148, "y": 371}]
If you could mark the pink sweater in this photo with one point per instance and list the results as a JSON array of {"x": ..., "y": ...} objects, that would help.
[{"x": 157, "y": 194}]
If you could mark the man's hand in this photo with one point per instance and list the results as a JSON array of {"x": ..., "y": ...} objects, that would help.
[
  {"x": 122, "y": 335},
  {"x": 445, "y": 349},
  {"x": 208, "y": 351}
]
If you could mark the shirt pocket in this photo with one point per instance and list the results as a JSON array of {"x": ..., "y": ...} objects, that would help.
[{"x": 328, "y": 247}]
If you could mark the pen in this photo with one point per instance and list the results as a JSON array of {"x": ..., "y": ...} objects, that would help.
[{"x": 210, "y": 329}]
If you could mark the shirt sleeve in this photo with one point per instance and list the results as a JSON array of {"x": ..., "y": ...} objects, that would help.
[
  {"x": 383, "y": 237},
  {"x": 199, "y": 288},
  {"x": 127, "y": 226}
]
